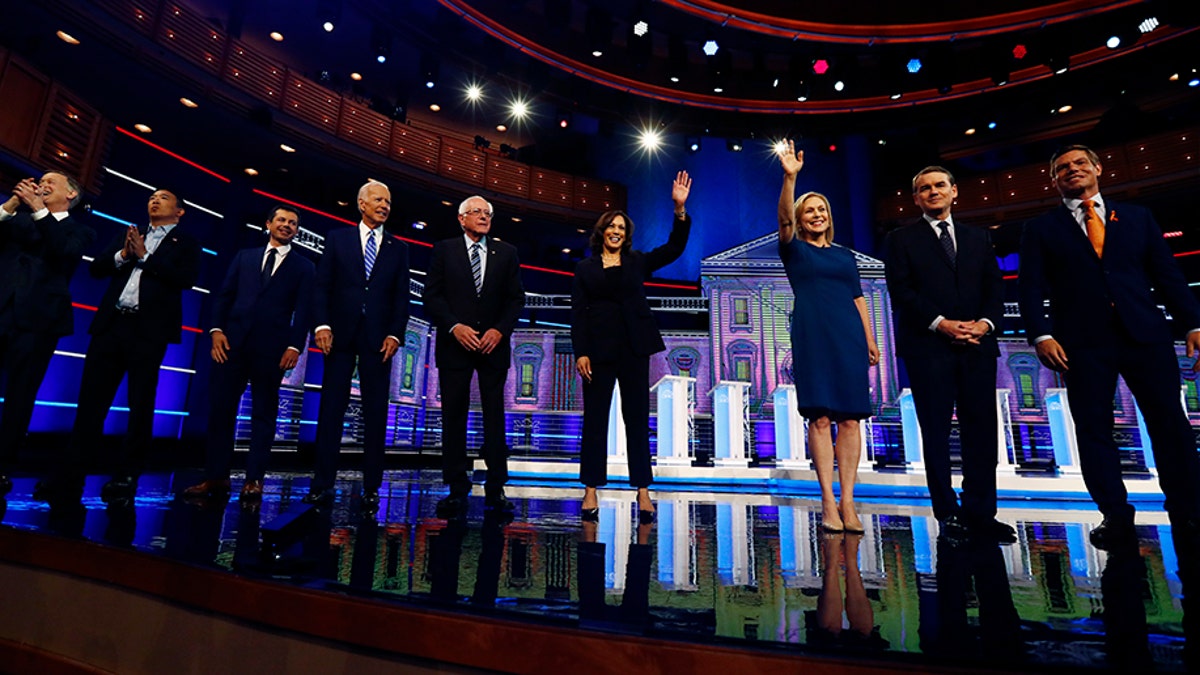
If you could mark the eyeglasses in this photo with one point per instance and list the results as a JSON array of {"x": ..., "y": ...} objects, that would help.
[{"x": 478, "y": 212}]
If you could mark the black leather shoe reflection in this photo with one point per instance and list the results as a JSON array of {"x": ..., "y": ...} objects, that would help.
[
  {"x": 976, "y": 569},
  {"x": 452, "y": 507},
  {"x": 119, "y": 490},
  {"x": 1114, "y": 535}
]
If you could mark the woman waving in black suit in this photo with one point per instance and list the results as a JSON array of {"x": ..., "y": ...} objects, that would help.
[{"x": 613, "y": 335}]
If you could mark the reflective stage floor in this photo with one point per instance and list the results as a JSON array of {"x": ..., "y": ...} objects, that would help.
[{"x": 742, "y": 571}]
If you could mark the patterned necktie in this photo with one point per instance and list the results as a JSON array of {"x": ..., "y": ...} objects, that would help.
[
  {"x": 477, "y": 267},
  {"x": 269, "y": 266},
  {"x": 369, "y": 254},
  {"x": 1095, "y": 227},
  {"x": 946, "y": 240}
]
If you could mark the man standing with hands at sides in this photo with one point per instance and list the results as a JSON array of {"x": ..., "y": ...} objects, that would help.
[
  {"x": 947, "y": 299},
  {"x": 258, "y": 331},
  {"x": 473, "y": 295},
  {"x": 360, "y": 309},
  {"x": 39, "y": 250},
  {"x": 1104, "y": 267},
  {"x": 140, "y": 313}
]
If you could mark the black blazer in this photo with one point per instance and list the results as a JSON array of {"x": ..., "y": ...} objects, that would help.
[
  {"x": 166, "y": 274},
  {"x": 1137, "y": 272},
  {"x": 274, "y": 313},
  {"x": 923, "y": 285},
  {"x": 346, "y": 300},
  {"x": 592, "y": 322},
  {"x": 450, "y": 299},
  {"x": 37, "y": 260}
]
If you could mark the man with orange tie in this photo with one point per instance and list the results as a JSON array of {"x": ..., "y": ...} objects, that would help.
[{"x": 1105, "y": 269}]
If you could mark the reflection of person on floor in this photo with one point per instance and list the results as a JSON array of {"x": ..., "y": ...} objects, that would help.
[
  {"x": 840, "y": 552},
  {"x": 832, "y": 342},
  {"x": 446, "y": 553},
  {"x": 1124, "y": 587},
  {"x": 635, "y": 601},
  {"x": 976, "y": 566},
  {"x": 613, "y": 335}
]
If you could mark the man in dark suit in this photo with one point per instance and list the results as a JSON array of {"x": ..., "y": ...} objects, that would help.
[
  {"x": 473, "y": 295},
  {"x": 1105, "y": 268},
  {"x": 39, "y": 250},
  {"x": 258, "y": 331},
  {"x": 946, "y": 302},
  {"x": 140, "y": 313},
  {"x": 360, "y": 309}
]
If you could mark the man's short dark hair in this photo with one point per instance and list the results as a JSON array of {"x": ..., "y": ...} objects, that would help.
[
  {"x": 283, "y": 207},
  {"x": 1091, "y": 154},
  {"x": 174, "y": 193},
  {"x": 932, "y": 169}
]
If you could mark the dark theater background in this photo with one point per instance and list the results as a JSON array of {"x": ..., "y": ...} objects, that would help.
[{"x": 556, "y": 111}]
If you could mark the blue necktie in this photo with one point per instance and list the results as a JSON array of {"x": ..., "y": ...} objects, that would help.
[
  {"x": 369, "y": 255},
  {"x": 947, "y": 242},
  {"x": 476, "y": 268}
]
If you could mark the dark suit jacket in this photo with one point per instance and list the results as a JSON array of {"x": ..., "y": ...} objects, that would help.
[
  {"x": 1137, "y": 272},
  {"x": 166, "y": 274},
  {"x": 923, "y": 285},
  {"x": 275, "y": 312},
  {"x": 450, "y": 298},
  {"x": 347, "y": 301},
  {"x": 37, "y": 260},
  {"x": 592, "y": 323}
]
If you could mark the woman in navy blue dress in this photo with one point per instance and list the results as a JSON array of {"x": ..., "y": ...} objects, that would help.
[{"x": 832, "y": 342}]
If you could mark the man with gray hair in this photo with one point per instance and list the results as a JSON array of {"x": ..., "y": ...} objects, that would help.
[
  {"x": 473, "y": 295},
  {"x": 360, "y": 310},
  {"x": 40, "y": 247}
]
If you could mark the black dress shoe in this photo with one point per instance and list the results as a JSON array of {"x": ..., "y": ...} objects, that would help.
[
  {"x": 993, "y": 531},
  {"x": 452, "y": 507},
  {"x": 1113, "y": 535},
  {"x": 953, "y": 531},
  {"x": 646, "y": 517},
  {"x": 589, "y": 515},
  {"x": 120, "y": 490},
  {"x": 318, "y": 496},
  {"x": 5, "y": 485}
]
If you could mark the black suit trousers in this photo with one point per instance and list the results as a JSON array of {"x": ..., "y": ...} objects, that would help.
[
  {"x": 1152, "y": 373},
  {"x": 961, "y": 379},
  {"x": 348, "y": 352},
  {"x": 227, "y": 382},
  {"x": 24, "y": 358},
  {"x": 119, "y": 350},
  {"x": 633, "y": 374},
  {"x": 456, "y": 401}
]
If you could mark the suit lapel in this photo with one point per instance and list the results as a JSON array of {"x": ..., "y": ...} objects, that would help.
[
  {"x": 930, "y": 241},
  {"x": 1075, "y": 233}
]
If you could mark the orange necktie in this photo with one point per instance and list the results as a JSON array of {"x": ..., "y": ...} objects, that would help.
[{"x": 1095, "y": 227}]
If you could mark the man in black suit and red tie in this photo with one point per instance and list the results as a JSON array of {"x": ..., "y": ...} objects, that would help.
[
  {"x": 473, "y": 295},
  {"x": 1105, "y": 268},
  {"x": 140, "y": 313},
  {"x": 360, "y": 309},
  {"x": 947, "y": 299},
  {"x": 259, "y": 328},
  {"x": 40, "y": 247}
]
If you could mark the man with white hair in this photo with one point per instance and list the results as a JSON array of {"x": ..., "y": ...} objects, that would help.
[
  {"x": 360, "y": 309},
  {"x": 473, "y": 295}
]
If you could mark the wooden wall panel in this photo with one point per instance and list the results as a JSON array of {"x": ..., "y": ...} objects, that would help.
[
  {"x": 416, "y": 147},
  {"x": 312, "y": 103},
  {"x": 24, "y": 92},
  {"x": 462, "y": 162},
  {"x": 188, "y": 35},
  {"x": 365, "y": 127},
  {"x": 552, "y": 187}
]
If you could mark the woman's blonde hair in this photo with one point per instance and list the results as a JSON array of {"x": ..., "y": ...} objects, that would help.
[{"x": 828, "y": 210}]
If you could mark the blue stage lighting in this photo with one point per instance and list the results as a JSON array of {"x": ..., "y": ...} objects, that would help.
[{"x": 914, "y": 65}]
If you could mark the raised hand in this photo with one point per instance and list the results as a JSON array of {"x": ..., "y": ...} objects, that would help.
[
  {"x": 680, "y": 189},
  {"x": 791, "y": 160}
]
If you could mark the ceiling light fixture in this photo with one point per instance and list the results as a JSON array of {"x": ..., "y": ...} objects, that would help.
[
  {"x": 649, "y": 140},
  {"x": 328, "y": 26},
  {"x": 1148, "y": 24},
  {"x": 914, "y": 65},
  {"x": 286, "y": 148},
  {"x": 276, "y": 36},
  {"x": 142, "y": 128},
  {"x": 641, "y": 28},
  {"x": 501, "y": 128},
  {"x": 435, "y": 107},
  {"x": 474, "y": 92},
  {"x": 250, "y": 171},
  {"x": 189, "y": 103},
  {"x": 710, "y": 48},
  {"x": 357, "y": 77},
  {"x": 67, "y": 37}
]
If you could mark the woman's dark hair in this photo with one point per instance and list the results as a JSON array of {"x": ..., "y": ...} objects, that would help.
[{"x": 597, "y": 240}]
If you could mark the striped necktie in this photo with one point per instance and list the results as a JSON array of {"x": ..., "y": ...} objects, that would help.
[
  {"x": 369, "y": 253},
  {"x": 477, "y": 267},
  {"x": 947, "y": 241}
]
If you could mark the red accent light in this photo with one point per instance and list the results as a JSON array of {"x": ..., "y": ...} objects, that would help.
[
  {"x": 167, "y": 152},
  {"x": 1174, "y": 233},
  {"x": 820, "y": 66},
  {"x": 1019, "y": 52},
  {"x": 1009, "y": 277},
  {"x": 87, "y": 307},
  {"x": 563, "y": 123},
  {"x": 1180, "y": 255},
  {"x": 832, "y": 147},
  {"x": 332, "y": 217},
  {"x": 684, "y": 287}
]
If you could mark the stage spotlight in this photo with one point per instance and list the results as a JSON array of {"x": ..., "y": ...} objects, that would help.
[
  {"x": 914, "y": 65},
  {"x": 564, "y": 119},
  {"x": 1019, "y": 52},
  {"x": 820, "y": 66},
  {"x": 508, "y": 151},
  {"x": 419, "y": 225},
  {"x": 328, "y": 26},
  {"x": 598, "y": 27},
  {"x": 1148, "y": 24},
  {"x": 430, "y": 67},
  {"x": 896, "y": 96},
  {"x": 381, "y": 43},
  {"x": 710, "y": 47},
  {"x": 641, "y": 28},
  {"x": 649, "y": 140},
  {"x": 474, "y": 92},
  {"x": 733, "y": 145},
  {"x": 779, "y": 147},
  {"x": 519, "y": 109},
  {"x": 329, "y": 13},
  {"x": 1059, "y": 63},
  {"x": 839, "y": 85},
  {"x": 802, "y": 92},
  {"x": 482, "y": 143},
  {"x": 693, "y": 144},
  {"x": 1194, "y": 82},
  {"x": 991, "y": 125}
]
